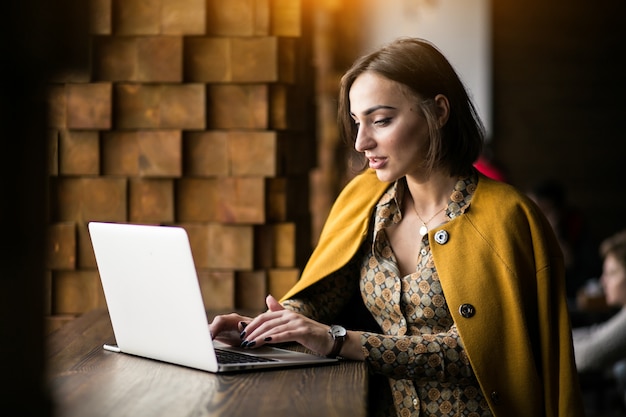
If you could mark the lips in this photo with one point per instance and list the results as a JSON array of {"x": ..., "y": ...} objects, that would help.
[{"x": 376, "y": 162}]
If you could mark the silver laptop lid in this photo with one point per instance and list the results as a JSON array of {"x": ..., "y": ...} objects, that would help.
[{"x": 152, "y": 293}]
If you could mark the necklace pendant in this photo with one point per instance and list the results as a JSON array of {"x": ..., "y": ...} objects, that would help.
[{"x": 423, "y": 230}]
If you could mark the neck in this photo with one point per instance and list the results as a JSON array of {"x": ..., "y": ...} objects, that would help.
[{"x": 429, "y": 195}]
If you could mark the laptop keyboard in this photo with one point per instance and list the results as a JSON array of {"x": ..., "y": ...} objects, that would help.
[{"x": 227, "y": 356}]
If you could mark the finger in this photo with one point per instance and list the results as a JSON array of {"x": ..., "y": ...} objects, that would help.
[
  {"x": 263, "y": 326},
  {"x": 273, "y": 304},
  {"x": 227, "y": 323}
]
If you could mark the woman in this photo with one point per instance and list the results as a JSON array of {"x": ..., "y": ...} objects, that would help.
[
  {"x": 602, "y": 346},
  {"x": 461, "y": 274}
]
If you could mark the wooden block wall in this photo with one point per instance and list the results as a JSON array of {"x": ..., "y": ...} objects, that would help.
[{"x": 197, "y": 113}]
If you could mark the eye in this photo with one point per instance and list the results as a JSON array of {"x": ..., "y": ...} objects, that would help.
[{"x": 383, "y": 122}]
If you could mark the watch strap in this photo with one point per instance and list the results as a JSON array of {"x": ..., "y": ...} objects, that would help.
[{"x": 337, "y": 344}]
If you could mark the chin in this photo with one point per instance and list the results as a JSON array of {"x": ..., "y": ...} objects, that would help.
[{"x": 386, "y": 176}]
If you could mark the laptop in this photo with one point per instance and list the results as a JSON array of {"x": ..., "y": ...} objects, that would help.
[{"x": 154, "y": 300}]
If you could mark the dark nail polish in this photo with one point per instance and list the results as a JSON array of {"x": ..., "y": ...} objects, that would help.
[
  {"x": 268, "y": 339},
  {"x": 251, "y": 344},
  {"x": 244, "y": 344},
  {"x": 243, "y": 324},
  {"x": 242, "y": 334}
]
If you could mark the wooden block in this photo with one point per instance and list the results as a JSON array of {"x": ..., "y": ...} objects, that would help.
[
  {"x": 285, "y": 245},
  {"x": 138, "y": 58},
  {"x": 287, "y": 198},
  {"x": 160, "y": 153},
  {"x": 231, "y": 18},
  {"x": 136, "y": 17},
  {"x": 86, "y": 257},
  {"x": 57, "y": 106},
  {"x": 206, "y": 154},
  {"x": 151, "y": 200},
  {"x": 137, "y": 106},
  {"x": 61, "y": 247},
  {"x": 288, "y": 59},
  {"x": 262, "y": 17},
  {"x": 145, "y": 106},
  {"x": 286, "y": 18},
  {"x": 53, "y": 152},
  {"x": 160, "y": 59},
  {"x": 253, "y": 153},
  {"x": 242, "y": 200},
  {"x": 262, "y": 59},
  {"x": 218, "y": 289},
  {"x": 255, "y": 59},
  {"x": 289, "y": 108},
  {"x": 79, "y": 152},
  {"x": 237, "y": 106},
  {"x": 115, "y": 58},
  {"x": 230, "y": 247},
  {"x": 86, "y": 199},
  {"x": 89, "y": 106},
  {"x": 197, "y": 199},
  {"x": 76, "y": 292},
  {"x": 120, "y": 153},
  {"x": 275, "y": 245},
  {"x": 251, "y": 290},
  {"x": 183, "y": 107},
  {"x": 207, "y": 59},
  {"x": 281, "y": 280},
  {"x": 199, "y": 241},
  {"x": 149, "y": 153},
  {"x": 278, "y": 207},
  {"x": 183, "y": 17},
  {"x": 100, "y": 17}
]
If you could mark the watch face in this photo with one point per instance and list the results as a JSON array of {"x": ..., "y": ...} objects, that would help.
[{"x": 337, "y": 331}]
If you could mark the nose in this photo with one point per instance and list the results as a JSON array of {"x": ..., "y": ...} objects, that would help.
[{"x": 364, "y": 140}]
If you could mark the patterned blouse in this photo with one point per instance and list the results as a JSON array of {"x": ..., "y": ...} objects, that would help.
[{"x": 419, "y": 350}]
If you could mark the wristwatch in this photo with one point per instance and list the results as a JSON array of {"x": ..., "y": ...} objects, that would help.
[{"x": 338, "y": 334}]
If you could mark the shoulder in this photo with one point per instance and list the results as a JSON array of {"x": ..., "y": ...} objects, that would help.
[
  {"x": 496, "y": 199},
  {"x": 507, "y": 218}
]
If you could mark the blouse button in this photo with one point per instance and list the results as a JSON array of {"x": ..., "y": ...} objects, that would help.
[
  {"x": 467, "y": 310},
  {"x": 424, "y": 252},
  {"x": 415, "y": 401},
  {"x": 441, "y": 237}
]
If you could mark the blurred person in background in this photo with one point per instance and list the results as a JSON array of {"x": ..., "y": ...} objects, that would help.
[{"x": 602, "y": 347}]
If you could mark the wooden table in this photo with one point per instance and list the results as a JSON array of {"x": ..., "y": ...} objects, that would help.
[{"x": 87, "y": 381}]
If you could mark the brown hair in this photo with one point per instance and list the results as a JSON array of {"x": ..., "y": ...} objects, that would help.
[
  {"x": 616, "y": 246},
  {"x": 424, "y": 72}
]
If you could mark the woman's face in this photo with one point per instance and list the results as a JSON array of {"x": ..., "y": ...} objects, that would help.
[
  {"x": 613, "y": 281},
  {"x": 392, "y": 132}
]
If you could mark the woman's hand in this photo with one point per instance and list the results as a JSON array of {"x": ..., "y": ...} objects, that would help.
[
  {"x": 279, "y": 325},
  {"x": 228, "y": 328}
]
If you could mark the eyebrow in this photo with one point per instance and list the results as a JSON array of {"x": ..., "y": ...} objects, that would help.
[{"x": 373, "y": 109}]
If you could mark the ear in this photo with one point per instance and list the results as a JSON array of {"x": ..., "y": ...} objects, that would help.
[{"x": 442, "y": 107}]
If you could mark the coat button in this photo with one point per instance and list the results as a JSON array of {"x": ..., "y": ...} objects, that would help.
[
  {"x": 441, "y": 237},
  {"x": 495, "y": 397},
  {"x": 467, "y": 310}
]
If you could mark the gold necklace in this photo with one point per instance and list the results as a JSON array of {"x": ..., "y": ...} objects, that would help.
[{"x": 424, "y": 227}]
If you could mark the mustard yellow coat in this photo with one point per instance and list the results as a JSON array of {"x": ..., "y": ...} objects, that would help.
[{"x": 502, "y": 258}]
